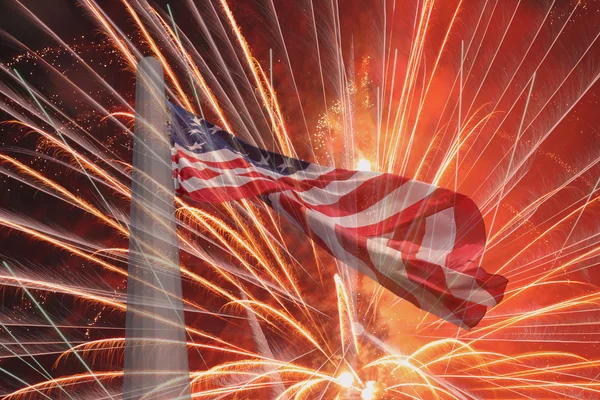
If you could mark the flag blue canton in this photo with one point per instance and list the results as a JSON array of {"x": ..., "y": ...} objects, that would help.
[{"x": 200, "y": 136}]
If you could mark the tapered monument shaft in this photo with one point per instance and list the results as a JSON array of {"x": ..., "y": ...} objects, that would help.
[{"x": 156, "y": 362}]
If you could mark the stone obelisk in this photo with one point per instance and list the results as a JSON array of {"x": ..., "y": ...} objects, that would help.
[{"x": 156, "y": 362}]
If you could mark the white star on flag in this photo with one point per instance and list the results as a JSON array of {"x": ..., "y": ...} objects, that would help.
[
  {"x": 197, "y": 121},
  {"x": 264, "y": 161},
  {"x": 214, "y": 129},
  {"x": 197, "y": 146},
  {"x": 287, "y": 163}
]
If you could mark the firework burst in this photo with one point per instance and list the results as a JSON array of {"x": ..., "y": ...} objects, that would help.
[{"x": 494, "y": 99}]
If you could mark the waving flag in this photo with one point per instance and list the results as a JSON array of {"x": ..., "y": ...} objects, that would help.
[{"x": 421, "y": 242}]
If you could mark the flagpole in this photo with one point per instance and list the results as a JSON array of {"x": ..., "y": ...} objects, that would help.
[{"x": 156, "y": 362}]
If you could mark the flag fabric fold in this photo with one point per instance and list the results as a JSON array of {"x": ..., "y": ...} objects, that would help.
[{"x": 421, "y": 242}]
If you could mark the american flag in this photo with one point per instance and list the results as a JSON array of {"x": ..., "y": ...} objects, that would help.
[{"x": 421, "y": 242}]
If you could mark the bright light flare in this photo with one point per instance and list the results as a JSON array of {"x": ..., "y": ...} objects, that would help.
[
  {"x": 368, "y": 393},
  {"x": 363, "y": 165},
  {"x": 346, "y": 379}
]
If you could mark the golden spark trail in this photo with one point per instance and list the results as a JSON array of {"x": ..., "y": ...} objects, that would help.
[
  {"x": 270, "y": 103},
  {"x": 196, "y": 72},
  {"x": 155, "y": 49},
  {"x": 122, "y": 46}
]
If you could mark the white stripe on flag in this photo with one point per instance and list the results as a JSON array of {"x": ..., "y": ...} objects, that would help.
[{"x": 438, "y": 242}]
